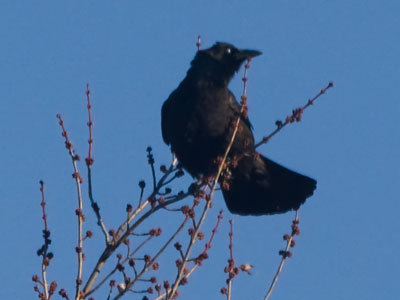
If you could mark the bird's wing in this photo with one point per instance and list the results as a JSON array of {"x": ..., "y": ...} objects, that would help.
[{"x": 166, "y": 121}]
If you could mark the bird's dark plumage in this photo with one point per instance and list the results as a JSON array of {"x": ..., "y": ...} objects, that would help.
[{"x": 197, "y": 121}]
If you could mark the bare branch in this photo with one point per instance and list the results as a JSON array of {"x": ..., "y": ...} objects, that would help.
[
  {"x": 294, "y": 117},
  {"x": 285, "y": 253},
  {"x": 78, "y": 179},
  {"x": 46, "y": 236},
  {"x": 89, "y": 162},
  {"x": 122, "y": 234}
]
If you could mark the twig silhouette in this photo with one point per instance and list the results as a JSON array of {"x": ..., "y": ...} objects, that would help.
[
  {"x": 89, "y": 162},
  {"x": 198, "y": 261},
  {"x": 285, "y": 253},
  {"x": 294, "y": 117},
  {"x": 79, "y": 211},
  {"x": 231, "y": 262}
]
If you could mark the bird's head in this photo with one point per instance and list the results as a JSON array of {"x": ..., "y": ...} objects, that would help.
[{"x": 221, "y": 61}]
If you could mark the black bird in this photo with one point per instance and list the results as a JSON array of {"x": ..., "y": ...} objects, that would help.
[{"x": 197, "y": 121}]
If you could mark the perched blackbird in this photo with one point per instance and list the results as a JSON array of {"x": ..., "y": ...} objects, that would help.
[{"x": 198, "y": 120}]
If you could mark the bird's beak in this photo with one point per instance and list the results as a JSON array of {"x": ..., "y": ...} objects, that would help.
[{"x": 247, "y": 54}]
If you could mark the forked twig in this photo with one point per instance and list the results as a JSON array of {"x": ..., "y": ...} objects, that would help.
[
  {"x": 123, "y": 234},
  {"x": 203, "y": 255},
  {"x": 148, "y": 266}
]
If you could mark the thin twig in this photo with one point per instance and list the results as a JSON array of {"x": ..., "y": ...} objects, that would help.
[
  {"x": 96, "y": 207},
  {"x": 150, "y": 158},
  {"x": 45, "y": 235},
  {"x": 171, "y": 179},
  {"x": 142, "y": 185},
  {"x": 198, "y": 43},
  {"x": 78, "y": 179},
  {"x": 285, "y": 254},
  {"x": 89, "y": 162},
  {"x": 295, "y": 117},
  {"x": 213, "y": 232},
  {"x": 231, "y": 261}
]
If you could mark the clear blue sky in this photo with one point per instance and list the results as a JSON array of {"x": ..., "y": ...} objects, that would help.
[{"x": 133, "y": 54}]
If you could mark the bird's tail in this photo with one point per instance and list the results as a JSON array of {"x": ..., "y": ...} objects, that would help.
[{"x": 259, "y": 186}]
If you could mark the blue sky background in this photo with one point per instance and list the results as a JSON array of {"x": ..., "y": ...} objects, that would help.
[{"x": 133, "y": 54}]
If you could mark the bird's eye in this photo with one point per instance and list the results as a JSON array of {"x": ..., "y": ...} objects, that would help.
[{"x": 228, "y": 50}]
